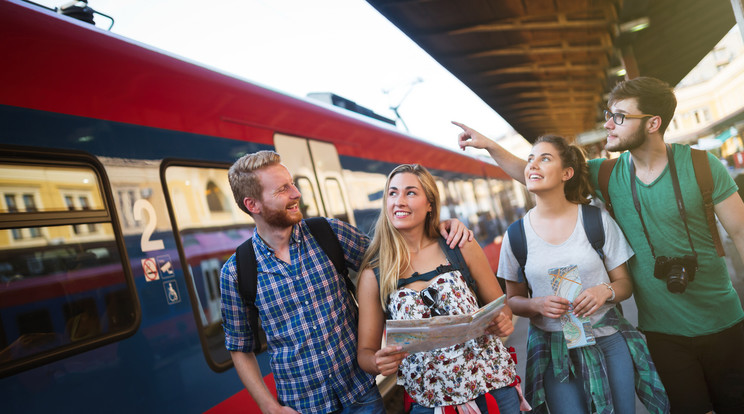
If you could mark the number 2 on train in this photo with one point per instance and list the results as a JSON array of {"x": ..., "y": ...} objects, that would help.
[{"x": 146, "y": 244}]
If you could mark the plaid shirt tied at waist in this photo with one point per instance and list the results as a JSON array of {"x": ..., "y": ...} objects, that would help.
[{"x": 544, "y": 347}]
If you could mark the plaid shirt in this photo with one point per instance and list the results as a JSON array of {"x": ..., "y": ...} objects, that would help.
[
  {"x": 544, "y": 347},
  {"x": 309, "y": 319}
]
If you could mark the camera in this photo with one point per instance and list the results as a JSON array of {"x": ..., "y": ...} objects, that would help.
[{"x": 677, "y": 271}]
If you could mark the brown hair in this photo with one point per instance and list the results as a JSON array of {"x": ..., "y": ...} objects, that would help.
[
  {"x": 577, "y": 189},
  {"x": 243, "y": 180},
  {"x": 654, "y": 97}
]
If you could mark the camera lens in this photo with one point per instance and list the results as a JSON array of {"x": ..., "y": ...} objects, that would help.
[{"x": 677, "y": 279}]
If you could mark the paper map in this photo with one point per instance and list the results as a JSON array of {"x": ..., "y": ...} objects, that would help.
[
  {"x": 418, "y": 335},
  {"x": 567, "y": 284}
]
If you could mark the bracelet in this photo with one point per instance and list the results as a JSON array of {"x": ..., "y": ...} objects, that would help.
[{"x": 611, "y": 290}]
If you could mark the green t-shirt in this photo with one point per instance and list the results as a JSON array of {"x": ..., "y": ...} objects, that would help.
[{"x": 710, "y": 303}]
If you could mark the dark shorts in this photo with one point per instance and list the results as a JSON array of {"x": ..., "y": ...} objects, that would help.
[{"x": 701, "y": 373}]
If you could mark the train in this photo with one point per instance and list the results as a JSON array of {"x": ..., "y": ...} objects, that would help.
[{"x": 116, "y": 214}]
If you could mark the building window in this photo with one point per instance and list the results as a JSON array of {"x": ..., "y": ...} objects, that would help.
[
  {"x": 29, "y": 206},
  {"x": 215, "y": 199}
]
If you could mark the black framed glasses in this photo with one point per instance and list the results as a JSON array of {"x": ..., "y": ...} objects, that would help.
[
  {"x": 430, "y": 297},
  {"x": 619, "y": 118}
]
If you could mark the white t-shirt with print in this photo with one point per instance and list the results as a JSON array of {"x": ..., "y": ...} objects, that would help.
[{"x": 544, "y": 258}]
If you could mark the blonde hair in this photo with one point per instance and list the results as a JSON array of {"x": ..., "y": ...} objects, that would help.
[
  {"x": 388, "y": 251},
  {"x": 243, "y": 180}
]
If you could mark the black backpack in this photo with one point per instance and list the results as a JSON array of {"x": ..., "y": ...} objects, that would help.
[
  {"x": 591, "y": 219},
  {"x": 246, "y": 265}
]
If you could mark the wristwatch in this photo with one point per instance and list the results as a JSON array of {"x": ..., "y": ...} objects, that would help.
[{"x": 611, "y": 290}]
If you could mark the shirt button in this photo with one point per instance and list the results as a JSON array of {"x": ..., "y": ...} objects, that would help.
[{"x": 307, "y": 303}]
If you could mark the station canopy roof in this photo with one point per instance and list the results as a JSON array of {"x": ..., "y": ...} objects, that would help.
[{"x": 546, "y": 66}]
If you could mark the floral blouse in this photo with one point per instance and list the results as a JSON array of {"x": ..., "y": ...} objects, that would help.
[{"x": 459, "y": 373}]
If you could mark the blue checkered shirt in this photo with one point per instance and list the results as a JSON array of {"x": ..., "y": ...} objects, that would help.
[{"x": 309, "y": 319}]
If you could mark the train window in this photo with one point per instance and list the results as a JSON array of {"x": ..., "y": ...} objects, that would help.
[
  {"x": 445, "y": 212},
  {"x": 366, "y": 197},
  {"x": 335, "y": 205},
  {"x": 453, "y": 192},
  {"x": 308, "y": 201},
  {"x": 482, "y": 196},
  {"x": 468, "y": 198},
  {"x": 36, "y": 197},
  {"x": 210, "y": 229},
  {"x": 60, "y": 264},
  {"x": 442, "y": 192}
]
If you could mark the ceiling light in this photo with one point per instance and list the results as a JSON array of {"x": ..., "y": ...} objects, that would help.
[{"x": 634, "y": 25}]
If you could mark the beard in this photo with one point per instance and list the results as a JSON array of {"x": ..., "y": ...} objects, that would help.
[
  {"x": 280, "y": 217},
  {"x": 633, "y": 141}
]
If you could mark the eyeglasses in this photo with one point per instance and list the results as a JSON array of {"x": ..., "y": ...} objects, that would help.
[
  {"x": 430, "y": 297},
  {"x": 618, "y": 118}
]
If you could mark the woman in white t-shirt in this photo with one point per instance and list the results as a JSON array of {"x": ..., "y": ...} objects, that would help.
[{"x": 562, "y": 264}]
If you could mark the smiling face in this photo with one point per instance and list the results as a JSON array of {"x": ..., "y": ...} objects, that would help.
[
  {"x": 631, "y": 134},
  {"x": 280, "y": 199},
  {"x": 406, "y": 205},
  {"x": 544, "y": 170}
]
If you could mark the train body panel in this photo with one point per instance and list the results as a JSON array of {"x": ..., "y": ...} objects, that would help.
[{"x": 116, "y": 214}]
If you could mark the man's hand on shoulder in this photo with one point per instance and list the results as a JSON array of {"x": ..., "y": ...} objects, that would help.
[{"x": 455, "y": 232}]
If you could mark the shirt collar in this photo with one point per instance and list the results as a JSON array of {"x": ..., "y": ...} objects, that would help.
[{"x": 294, "y": 237}]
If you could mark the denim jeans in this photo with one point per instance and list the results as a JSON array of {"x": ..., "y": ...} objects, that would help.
[
  {"x": 370, "y": 403},
  {"x": 568, "y": 397},
  {"x": 506, "y": 398}
]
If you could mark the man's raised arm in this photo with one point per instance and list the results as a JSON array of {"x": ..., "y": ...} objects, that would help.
[{"x": 513, "y": 165}]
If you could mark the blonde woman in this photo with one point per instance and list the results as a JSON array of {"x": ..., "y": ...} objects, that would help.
[{"x": 415, "y": 282}]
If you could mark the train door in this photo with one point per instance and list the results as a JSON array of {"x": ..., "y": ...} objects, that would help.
[{"x": 317, "y": 172}]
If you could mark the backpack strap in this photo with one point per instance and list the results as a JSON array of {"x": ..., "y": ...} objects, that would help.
[
  {"x": 592, "y": 220},
  {"x": 518, "y": 244},
  {"x": 247, "y": 267},
  {"x": 376, "y": 271},
  {"x": 605, "y": 171},
  {"x": 456, "y": 259},
  {"x": 705, "y": 183},
  {"x": 326, "y": 237}
]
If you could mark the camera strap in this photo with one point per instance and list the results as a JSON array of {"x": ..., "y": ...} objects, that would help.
[{"x": 677, "y": 196}]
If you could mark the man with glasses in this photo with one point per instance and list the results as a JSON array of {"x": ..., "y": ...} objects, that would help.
[
  {"x": 307, "y": 312},
  {"x": 696, "y": 337}
]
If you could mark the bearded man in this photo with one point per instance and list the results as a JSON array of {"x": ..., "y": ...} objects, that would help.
[
  {"x": 307, "y": 312},
  {"x": 695, "y": 337}
]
